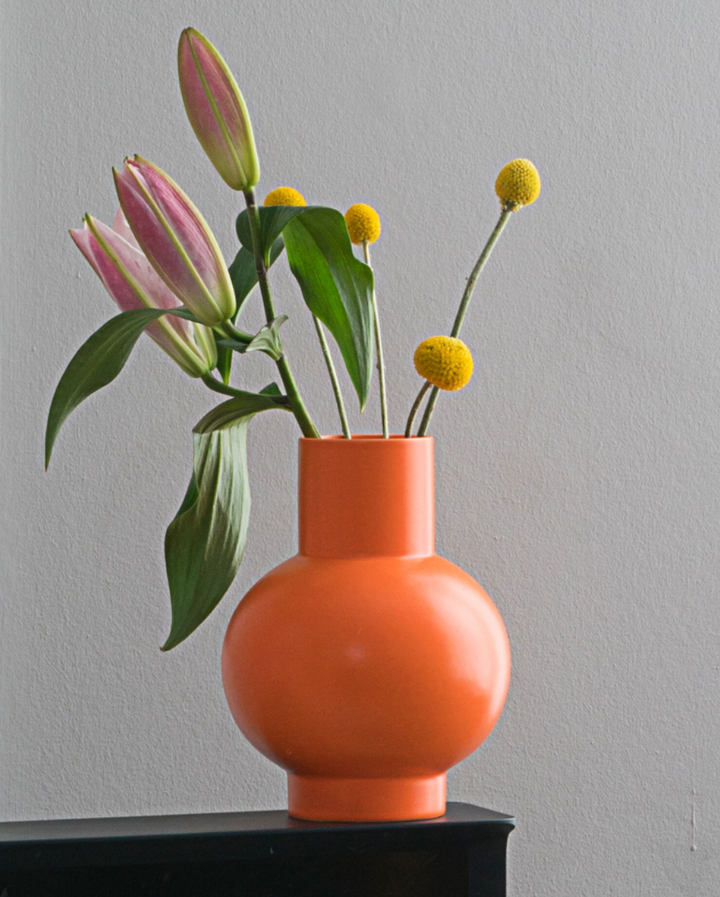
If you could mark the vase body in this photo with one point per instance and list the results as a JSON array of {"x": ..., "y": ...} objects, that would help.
[{"x": 366, "y": 665}]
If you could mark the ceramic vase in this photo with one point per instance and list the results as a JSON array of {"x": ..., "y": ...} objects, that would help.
[{"x": 366, "y": 666}]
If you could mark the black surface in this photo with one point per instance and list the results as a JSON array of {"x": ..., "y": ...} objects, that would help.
[{"x": 263, "y": 854}]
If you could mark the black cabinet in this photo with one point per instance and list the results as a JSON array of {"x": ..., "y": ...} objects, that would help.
[{"x": 265, "y": 854}]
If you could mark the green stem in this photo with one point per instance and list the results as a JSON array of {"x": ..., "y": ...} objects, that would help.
[
  {"x": 429, "y": 408},
  {"x": 333, "y": 378},
  {"x": 230, "y": 330},
  {"x": 464, "y": 302},
  {"x": 413, "y": 411},
  {"x": 219, "y": 386},
  {"x": 479, "y": 265},
  {"x": 296, "y": 403},
  {"x": 378, "y": 344}
]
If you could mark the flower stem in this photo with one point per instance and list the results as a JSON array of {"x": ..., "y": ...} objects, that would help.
[
  {"x": 219, "y": 386},
  {"x": 230, "y": 330},
  {"x": 479, "y": 265},
  {"x": 333, "y": 377},
  {"x": 378, "y": 344},
  {"x": 413, "y": 411},
  {"x": 464, "y": 302},
  {"x": 296, "y": 402}
]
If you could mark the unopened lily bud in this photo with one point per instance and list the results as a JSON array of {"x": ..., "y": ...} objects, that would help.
[
  {"x": 217, "y": 111},
  {"x": 126, "y": 274},
  {"x": 176, "y": 240}
]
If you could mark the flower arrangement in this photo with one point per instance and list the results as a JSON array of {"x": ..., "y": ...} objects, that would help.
[{"x": 163, "y": 267}]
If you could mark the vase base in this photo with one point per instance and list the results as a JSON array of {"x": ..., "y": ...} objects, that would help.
[{"x": 322, "y": 799}]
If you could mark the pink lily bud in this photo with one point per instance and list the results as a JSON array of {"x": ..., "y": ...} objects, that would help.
[
  {"x": 132, "y": 282},
  {"x": 217, "y": 111},
  {"x": 176, "y": 240}
]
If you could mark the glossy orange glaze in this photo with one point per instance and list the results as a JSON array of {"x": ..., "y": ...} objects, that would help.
[{"x": 366, "y": 666}]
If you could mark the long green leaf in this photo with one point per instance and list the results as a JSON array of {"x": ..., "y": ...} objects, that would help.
[
  {"x": 224, "y": 358},
  {"x": 205, "y": 542},
  {"x": 336, "y": 286},
  {"x": 96, "y": 363},
  {"x": 272, "y": 223},
  {"x": 231, "y": 345},
  {"x": 249, "y": 403},
  {"x": 182, "y": 312},
  {"x": 243, "y": 273}
]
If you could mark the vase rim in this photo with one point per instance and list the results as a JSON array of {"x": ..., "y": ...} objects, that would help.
[{"x": 362, "y": 437}]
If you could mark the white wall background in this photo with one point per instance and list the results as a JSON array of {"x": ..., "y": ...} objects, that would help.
[{"x": 578, "y": 475}]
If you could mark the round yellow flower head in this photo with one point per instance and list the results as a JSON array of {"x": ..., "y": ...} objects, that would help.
[
  {"x": 284, "y": 196},
  {"x": 518, "y": 184},
  {"x": 445, "y": 361},
  {"x": 363, "y": 224}
]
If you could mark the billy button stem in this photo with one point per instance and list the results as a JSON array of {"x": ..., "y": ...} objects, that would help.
[
  {"x": 363, "y": 224},
  {"x": 378, "y": 346},
  {"x": 517, "y": 185},
  {"x": 464, "y": 303},
  {"x": 333, "y": 377},
  {"x": 414, "y": 410}
]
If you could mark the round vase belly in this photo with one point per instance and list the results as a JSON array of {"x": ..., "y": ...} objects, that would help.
[{"x": 366, "y": 666}]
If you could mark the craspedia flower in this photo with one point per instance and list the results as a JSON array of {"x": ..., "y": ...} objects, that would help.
[
  {"x": 518, "y": 184},
  {"x": 284, "y": 196},
  {"x": 363, "y": 223},
  {"x": 445, "y": 361}
]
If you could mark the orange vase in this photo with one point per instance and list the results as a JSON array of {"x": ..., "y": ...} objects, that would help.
[{"x": 366, "y": 665}]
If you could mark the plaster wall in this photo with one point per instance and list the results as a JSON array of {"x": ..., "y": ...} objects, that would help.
[{"x": 577, "y": 474}]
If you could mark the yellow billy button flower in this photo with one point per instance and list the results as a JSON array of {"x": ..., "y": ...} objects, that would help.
[
  {"x": 444, "y": 361},
  {"x": 518, "y": 184},
  {"x": 363, "y": 224},
  {"x": 284, "y": 196}
]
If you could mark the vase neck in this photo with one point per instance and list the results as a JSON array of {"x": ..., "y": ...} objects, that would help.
[{"x": 366, "y": 496}]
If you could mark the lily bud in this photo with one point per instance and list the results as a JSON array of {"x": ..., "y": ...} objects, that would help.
[
  {"x": 132, "y": 282},
  {"x": 217, "y": 111},
  {"x": 176, "y": 240}
]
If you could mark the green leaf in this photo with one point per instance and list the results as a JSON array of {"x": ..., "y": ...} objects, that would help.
[
  {"x": 272, "y": 223},
  {"x": 243, "y": 273},
  {"x": 224, "y": 357},
  {"x": 272, "y": 389},
  {"x": 96, "y": 363},
  {"x": 336, "y": 286},
  {"x": 205, "y": 542},
  {"x": 243, "y": 276},
  {"x": 233, "y": 344},
  {"x": 249, "y": 403},
  {"x": 268, "y": 340},
  {"x": 191, "y": 496},
  {"x": 181, "y": 312}
]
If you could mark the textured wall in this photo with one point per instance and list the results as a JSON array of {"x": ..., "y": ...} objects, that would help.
[{"x": 577, "y": 475}]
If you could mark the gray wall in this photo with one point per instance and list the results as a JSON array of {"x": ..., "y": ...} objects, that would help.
[{"x": 577, "y": 475}]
